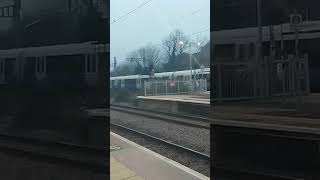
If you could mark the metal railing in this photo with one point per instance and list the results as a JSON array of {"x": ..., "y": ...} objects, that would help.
[
  {"x": 232, "y": 81},
  {"x": 245, "y": 80},
  {"x": 293, "y": 77},
  {"x": 167, "y": 87}
]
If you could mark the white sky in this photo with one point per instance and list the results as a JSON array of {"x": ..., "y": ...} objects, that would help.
[{"x": 154, "y": 21}]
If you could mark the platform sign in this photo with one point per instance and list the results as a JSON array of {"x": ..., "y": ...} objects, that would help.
[
  {"x": 172, "y": 84},
  {"x": 296, "y": 21}
]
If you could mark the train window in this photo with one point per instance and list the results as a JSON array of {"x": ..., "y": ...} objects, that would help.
[
  {"x": 251, "y": 50},
  {"x": 37, "y": 65},
  {"x": 88, "y": 64},
  {"x": 10, "y": 11},
  {"x": 91, "y": 63},
  {"x": 138, "y": 83},
  {"x": 225, "y": 51},
  {"x": 5, "y": 12},
  {"x": 40, "y": 64},
  {"x": 1, "y": 66},
  {"x": 122, "y": 83},
  {"x": 43, "y": 64},
  {"x": 241, "y": 52}
]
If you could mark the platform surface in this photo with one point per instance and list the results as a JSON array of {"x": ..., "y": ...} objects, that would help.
[
  {"x": 197, "y": 99},
  {"x": 276, "y": 113},
  {"x": 133, "y": 162}
]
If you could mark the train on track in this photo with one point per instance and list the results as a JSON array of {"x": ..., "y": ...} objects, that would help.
[{"x": 135, "y": 82}]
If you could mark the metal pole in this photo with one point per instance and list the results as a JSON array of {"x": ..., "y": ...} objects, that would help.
[
  {"x": 191, "y": 84},
  {"x": 259, "y": 27},
  {"x": 299, "y": 98},
  {"x": 259, "y": 45},
  {"x": 145, "y": 88},
  {"x": 166, "y": 87}
]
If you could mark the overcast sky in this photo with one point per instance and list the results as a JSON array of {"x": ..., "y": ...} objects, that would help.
[{"x": 154, "y": 21}]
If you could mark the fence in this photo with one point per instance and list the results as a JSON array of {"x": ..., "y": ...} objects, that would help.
[
  {"x": 232, "y": 81},
  {"x": 245, "y": 80},
  {"x": 289, "y": 76},
  {"x": 152, "y": 88}
]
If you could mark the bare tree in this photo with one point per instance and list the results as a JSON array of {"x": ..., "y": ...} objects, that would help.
[
  {"x": 123, "y": 69},
  {"x": 150, "y": 54},
  {"x": 175, "y": 44}
]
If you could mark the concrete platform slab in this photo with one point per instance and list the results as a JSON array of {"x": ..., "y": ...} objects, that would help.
[
  {"x": 131, "y": 159},
  {"x": 196, "y": 99}
]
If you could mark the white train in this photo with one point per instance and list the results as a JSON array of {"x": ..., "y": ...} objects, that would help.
[{"x": 134, "y": 82}]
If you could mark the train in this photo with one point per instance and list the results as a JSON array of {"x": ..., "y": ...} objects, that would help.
[
  {"x": 66, "y": 64},
  {"x": 136, "y": 82}
]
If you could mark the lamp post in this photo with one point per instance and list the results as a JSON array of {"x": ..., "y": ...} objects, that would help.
[
  {"x": 259, "y": 48},
  {"x": 190, "y": 62}
]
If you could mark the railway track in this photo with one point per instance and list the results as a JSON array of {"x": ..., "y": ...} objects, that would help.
[
  {"x": 200, "y": 154},
  {"x": 224, "y": 169},
  {"x": 189, "y": 157},
  {"x": 188, "y": 120},
  {"x": 83, "y": 157}
]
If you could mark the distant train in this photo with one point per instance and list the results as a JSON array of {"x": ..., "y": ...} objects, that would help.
[{"x": 136, "y": 82}]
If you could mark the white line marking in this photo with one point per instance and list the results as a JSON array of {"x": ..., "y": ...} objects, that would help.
[{"x": 174, "y": 163}]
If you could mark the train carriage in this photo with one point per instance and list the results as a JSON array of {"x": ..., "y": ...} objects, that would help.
[
  {"x": 65, "y": 64},
  {"x": 136, "y": 82}
]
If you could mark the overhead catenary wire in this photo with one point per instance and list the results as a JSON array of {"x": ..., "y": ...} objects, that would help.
[
  {"x": 199, "y": 32},
  {"x": 128, "y": 13}
]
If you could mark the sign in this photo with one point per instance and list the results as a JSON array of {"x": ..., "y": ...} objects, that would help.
[
  {"x": 296, "y": 20},
  {"x": 172, "y": 84}
]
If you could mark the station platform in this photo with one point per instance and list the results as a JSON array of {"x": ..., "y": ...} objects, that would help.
[
  {"x": 130, "y": 161},
  {"x": 277, "y": 113},
  {"x": 196, "y": 99},
  {"x": 197, "y": 104}
]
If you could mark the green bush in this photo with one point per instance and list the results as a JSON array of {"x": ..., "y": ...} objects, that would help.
[{"x": 122, "y": 95}]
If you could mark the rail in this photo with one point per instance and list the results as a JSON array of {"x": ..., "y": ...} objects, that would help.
[
  {"x": 203, "y": 155},
  {"x": 188, "y": 120}
]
